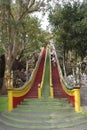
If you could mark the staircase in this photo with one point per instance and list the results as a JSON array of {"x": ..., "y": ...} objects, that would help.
[
  {"x": 33, "y": 93},
  {"x": 45, "y": 113},
  {"x": 57, "y": 88}
]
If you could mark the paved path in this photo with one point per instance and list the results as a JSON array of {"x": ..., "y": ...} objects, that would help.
[
  {"x": 83, "y": 90},
  {"x": 84, "y": 97}
]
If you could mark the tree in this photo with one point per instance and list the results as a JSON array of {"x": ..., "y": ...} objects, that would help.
[
  {"x": 12, "y": 36},
  {"x": 70, "y": 27},
  {"x": 35, "y": 36}
]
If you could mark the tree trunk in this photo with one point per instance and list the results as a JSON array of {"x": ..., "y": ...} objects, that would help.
[{"x": 7, "y": 74}]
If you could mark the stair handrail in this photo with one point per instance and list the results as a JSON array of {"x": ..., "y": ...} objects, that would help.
[
  {"x": 22, "y": 91},
  {"x": 31, "y": 80},
  {"x": 40, "y": 85},
  {"x": 51, "y": 85},
  {"x": 73, "y": 91}
]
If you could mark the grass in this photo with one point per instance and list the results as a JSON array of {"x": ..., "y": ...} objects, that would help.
[{"x": 3, "y": 103}]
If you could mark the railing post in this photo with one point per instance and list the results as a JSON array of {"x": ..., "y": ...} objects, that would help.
[
  {"x": 39, "y": 91},
  {"x": 51, "y": 91},
  {"x": 77, "y": 99},
  {"x": 10, "y": 100},
  {"x": 9, "y": 86}
]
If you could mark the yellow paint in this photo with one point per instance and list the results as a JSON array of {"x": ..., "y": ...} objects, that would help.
[
  {"x": 42, "y": 81},
  {"x": 51, "y": 86},
  {"x": 77, "y": 99},
  {"x": 50, "y": 75},
  {"x": 75, "y": 92},
  {"x": 69, "y": 92},
  {"x": 10, "y": 100},
  {"x": 51, "y": 92},
  {"x": 39, "y": 91},
  {"x": 18, "y": 92}
]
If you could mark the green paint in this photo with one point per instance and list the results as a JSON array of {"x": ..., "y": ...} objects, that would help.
[
  {"x": 46, "y": 85},
  {"x": 44, "y": 113}
]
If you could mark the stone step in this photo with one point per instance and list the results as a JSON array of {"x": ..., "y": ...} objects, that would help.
[
  {"x": 49, "y": 122},
  {"x": 46, "y": 100},
  {"x": 43, "y": 115}
]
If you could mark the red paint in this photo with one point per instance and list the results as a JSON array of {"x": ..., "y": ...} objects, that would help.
[
  {"x": 57, "y": 86},
  {"x": 17, "y": 100},
  {"x": 33, "y": 92}
]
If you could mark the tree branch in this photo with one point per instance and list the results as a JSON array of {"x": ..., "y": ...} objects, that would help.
[
  {"x": 31, "y": 3},
  {"x": 4, "y": 48},
  {"x": 12, "y": 16},
  {"x": 32, "y": 7}
]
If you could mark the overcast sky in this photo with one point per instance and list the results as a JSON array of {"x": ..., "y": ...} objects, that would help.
[{"x": 43, "y": 19}]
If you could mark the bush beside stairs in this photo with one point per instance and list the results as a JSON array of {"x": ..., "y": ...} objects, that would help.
[{"x": 44, "y": 113}]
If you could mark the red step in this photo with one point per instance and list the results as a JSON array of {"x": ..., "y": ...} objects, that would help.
[
  {"x": 33, "y": 93},
  {"x": 57, "y": 87}
]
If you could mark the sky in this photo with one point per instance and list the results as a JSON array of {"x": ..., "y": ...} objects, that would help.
[{"x": 44, "y": 19}]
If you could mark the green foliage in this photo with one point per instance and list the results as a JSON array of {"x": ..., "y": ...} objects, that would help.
[
  {"x": 1, "y": 50},
  {"x": 70, "y": 26},
  {"x": 18, "y": 28},
  {"x": 34, "y": 35}
]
